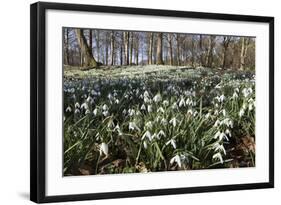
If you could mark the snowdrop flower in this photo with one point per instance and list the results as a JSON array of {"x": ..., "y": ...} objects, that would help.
[
  {"x": 149, "y": 108},
  {"x": 77, "y": 111},
  {"x": 182, "y": 103},
  {"x": 85, "y": 106},
  {"x": 68, "y": 109},
  {"x": 189, "y": 102},
  {"x": 105, "y": 113},
  {"x": 228, "y": 132},
  {"x": 117, "y": 101},
  {"x": 87, "y": 112},
  {"x": 160, "y": 110},
  {"x": 104, "y": 149},
  {"x": 190, "y": 112},
  {"x": 146, "y": 100},
  {"x": 77, "y": 105},
  {"x": 148, "y": 124},
  {"x": 235, "y": 95},
  {"x": 174, "y": 106},
  {"x": 164, "y": 121},
  {"x": 220, "y": 148},
  {"x": 157, "y": 98},
  {"x": 216, "y": 112},
  {"x": 146, "y": 94},
  {"x": 144, "y": 144},
  {"x": 222, "y": 98},
  {"x": 218, "y": 156},
  {"x": 241, "y": 112},
  {"x": 131, "y": 112},
  {"x": 124, "y": 112},
  {"x": 173, "y": 121},
  {"x": 172, "y": 142},
  {"x": 105, "y": 107},
  {"x": 90, "y": 99},
  {"x": 110, "y": 124},
  {"x": 223, "y": 112},
  {"x": 165, "y": 103},
  {"x": 177, "y": 160},
  {"x": 143, "y": 107},
  {"x": 207, "y": 115},
  {"x": 95, "y": 112},
  {"x": 133, "y": 126},
  {"x": 147, "y": 134},
  {"x": 161, "y": 133}
]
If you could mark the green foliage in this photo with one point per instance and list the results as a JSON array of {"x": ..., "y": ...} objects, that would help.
[{"x": 166, "y": 118}]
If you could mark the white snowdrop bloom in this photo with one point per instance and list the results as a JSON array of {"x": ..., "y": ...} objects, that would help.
[
  {"x": 223, "y": 112},
  {"x": 218, "y": 156},
  {"x": 223, "y": 136},
  {"x": 177, "y": 160},
  {"x": 68, "y": 109},
  {"x": 149, "y": 108},
  {"x": 124, "y": 112},
  {"x": 251, "y": 100},
  {"x": 117, "y": 101},
  {"x": 146, "y": 100},
  {"x": 153, "y": 136},
  {"x": 250, "y": 106},
  {"x": 109, "y": 96},
  {"x": 77, "y": 105},
  {"x": 235, "y": 95},
  {"x": 165, "y": 103},
  {"x": 222, "y": 98},
  {"x": 143, "y": 107},
  {"x": 144, "y": 144},
  {"x": 220, "y": 148},
  {"x": 195, "y": 113},
  {"x": 161, "y": 133},
  {"x": 110, "y": 124},
  {"x": 148, "y": 124},
  {"x": 241, "y": 112},
  {"x": 95, "y": 111},
  {"x": 190, "y": 112},
  {"x": 172, "y": 142},
  {"x": 131, "y": 112},
  {"x": 160, "y": 109},
  {"x": 104, "y": 148},
  {"x": 77, "y": 111},
  {"x": 189, "y": 102},
  {"x": 244, "y": 106},
  {"x": 85, "y": 106},
  {"x": 164, "y": 121},
  {"x": 182, "y": 103},
  {"x": 147, "y": 134},
  {"x": 146, "y": 94},
  {"x": 105, "y": 113},
  {"x": 207, "y": 115},
  {"x": 117, "y": 127},
  {"x": 157, "y": 98},
  {"x": 173, "y": 121},
  {"x": 126, "y": 96},
  {"x": 174, "y": 106},
  {"x": 236, "y": 90},
  {"x": 217, "y": 135},
  {"x": 228, "y": 122},
  {"x": 105, "y": 107},
  {"x": 227, "y": 131},
  {"x": 89, "y": 99},
  {"x": 245, "y": 92},
  {"x": 138, "y": 113},
  {"x": 133, "y": 126},
  {"x": 87, "y": 112}
]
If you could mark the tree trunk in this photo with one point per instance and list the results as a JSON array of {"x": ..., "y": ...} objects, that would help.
[
  {"x": 201, "y": 51},
  {"x": 225, "y": 43},
  {"x": 244, "y": 47},
  {"x": 159, "y": 49},
  {"x": 126, "y": 47},
  {"x": 170, "y": 40},
  {"x": 178, "y": 49},
  {"x": 209, "y": 59},
  {"x": 89, "y": 60},
  {"x": 112, "y": 47},
  {"x": 91, "y": 40},
  {"x": 98, "y": 45},
  {"x": 66, "y": 45},
  {"x": 131, "y": 47},
  {"x": 150, "y": 51}
]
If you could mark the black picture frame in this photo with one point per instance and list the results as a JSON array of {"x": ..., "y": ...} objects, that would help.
[{"x": 38, "y": 101}]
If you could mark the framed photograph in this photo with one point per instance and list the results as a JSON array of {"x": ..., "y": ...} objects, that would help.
[{"x": 129, "y": 102}]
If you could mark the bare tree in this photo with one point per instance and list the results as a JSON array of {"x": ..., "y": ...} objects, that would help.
[
  {"x": 225, "y": 44},
  {"x": 112, "y": 38},
  {"x": 150, "y": 48},
  {"x": 159, "y": 49},
  {"x": 89, "y": 60},
  {"x": 244, "y": 47},
  {"x": 209, "y": 57},
  {"x": 170, "y": 41}
]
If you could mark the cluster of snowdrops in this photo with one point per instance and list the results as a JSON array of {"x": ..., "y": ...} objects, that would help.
[{"x": 182, "y": 119}]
